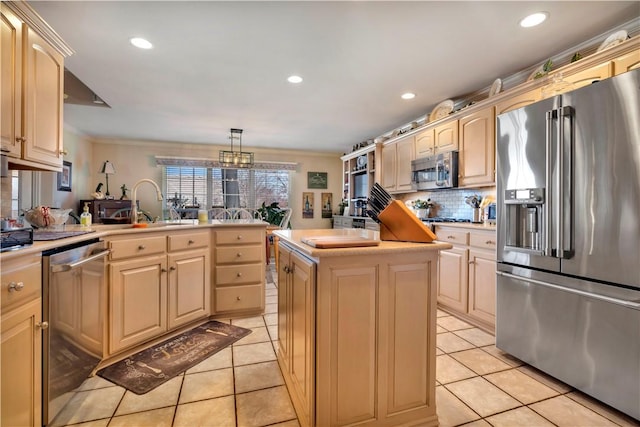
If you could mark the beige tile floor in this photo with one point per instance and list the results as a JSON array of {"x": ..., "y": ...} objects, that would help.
[{"x": 476, "y": 385}]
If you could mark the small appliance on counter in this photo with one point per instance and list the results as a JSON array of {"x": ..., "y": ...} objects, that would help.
[{"x": 14, "y": 238}]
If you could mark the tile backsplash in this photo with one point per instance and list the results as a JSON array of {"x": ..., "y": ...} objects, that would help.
[{"x": 450, "y": 203}]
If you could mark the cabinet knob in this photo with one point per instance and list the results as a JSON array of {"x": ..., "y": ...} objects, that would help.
[
  {"x": 163, "y": 270},
  {"x": 191, "y": 242},
  {"x": 239, "y": 274},
  {"x": 490, "y": 242},
  {"x": 16, "y": 286},
  {"x": 286, "y": 269},
  {"x": 239, "y": 236},
  {"x": 141, "y": 247},
  {"x": 239, "y": 254},
  {"x": 472, "y": 262},
  {"x": 451, "y": 237},
  {"x": 42, "y": 325},
  {"x": 172, "y": 268},
  {"x": 20, "y": 139},
  {"x": 238, "y": 298},
  {"x": 64, "y": 152}
]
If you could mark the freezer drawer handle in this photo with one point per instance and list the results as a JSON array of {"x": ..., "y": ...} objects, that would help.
[
  {"x": 625, "y": 303},
  {"x": 66, "y": 267}
]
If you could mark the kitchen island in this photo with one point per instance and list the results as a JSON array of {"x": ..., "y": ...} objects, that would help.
[{"x": 357, "y": 329}]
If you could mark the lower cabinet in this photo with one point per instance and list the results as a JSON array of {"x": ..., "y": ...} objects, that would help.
[
  {"x": 157, "y": 283},
  {"x": 467, "y": 274},
  {"x": 356, "y": 337},
  {"x": 21, "y": 343}
]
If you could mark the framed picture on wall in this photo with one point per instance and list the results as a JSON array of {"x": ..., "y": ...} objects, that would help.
[
  {"x": 317, "y": 180},
  {"x": 64, "y": 177},
  {"x": 307, "y": 205},
  {"x": 327, "y": 205}
]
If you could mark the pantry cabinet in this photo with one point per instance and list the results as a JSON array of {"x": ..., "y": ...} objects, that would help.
[
  {"x": 21, "y": 343},
  {"x": 32, "y": 95},
  {"x": 477, "y": 149},
  {"x": 467, "y": 274}
]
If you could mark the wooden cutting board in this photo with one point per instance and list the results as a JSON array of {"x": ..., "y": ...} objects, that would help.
[{"x": 329, "y": 242}]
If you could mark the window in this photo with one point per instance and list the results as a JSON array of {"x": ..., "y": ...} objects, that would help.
[{"x": 229, "y": 188}]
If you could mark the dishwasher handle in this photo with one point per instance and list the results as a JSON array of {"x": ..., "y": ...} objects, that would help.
[{"x": 66, "y": 267}]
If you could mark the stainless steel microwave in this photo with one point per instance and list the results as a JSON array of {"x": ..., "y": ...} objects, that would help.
[{"x": 435, "y": 172}]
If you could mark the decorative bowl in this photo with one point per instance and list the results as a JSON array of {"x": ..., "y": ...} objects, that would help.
[{"x": 46, "y": 217}]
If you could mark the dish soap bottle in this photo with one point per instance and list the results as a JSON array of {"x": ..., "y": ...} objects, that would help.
[{"x": 85, "y": 218}]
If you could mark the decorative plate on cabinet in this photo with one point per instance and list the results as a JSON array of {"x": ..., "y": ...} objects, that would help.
[
  {"x": 442, "y": 110},
  {"x": 496, "y": 87},
  {"x": 613, "y": 40}
]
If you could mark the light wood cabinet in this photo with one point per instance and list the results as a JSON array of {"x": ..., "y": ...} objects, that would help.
[
  {"x": 296, "y": 323},
  {"x": 239, "y": 271},
  {"x": 21, "y": 343},
  {"x": 32, "y": 123},
  {"x": 446, "y": 136},
  {"x": 467, "y": 274},
  {"x": 425, "y": 143},
  {"x": 477, "y": 149},
  {"x": 363, "y": 328},
  {"x": 518, "y": 101},
  {"x": 588, "y": 76},
  {"x": 627, "y": 62},
  {"x": 396, "y": 165}
]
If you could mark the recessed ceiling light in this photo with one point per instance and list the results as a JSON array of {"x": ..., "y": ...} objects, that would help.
[
  {"x": 141, "y": 43},
  {"x": 408, "y": 95},
  {"x": 294, "y": 79},
  {"x": 534, "y": 19}
]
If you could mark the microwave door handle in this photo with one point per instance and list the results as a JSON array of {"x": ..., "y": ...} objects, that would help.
[
  {"x": 439, "y": 167},
  {"x": 549, "y": 190}
]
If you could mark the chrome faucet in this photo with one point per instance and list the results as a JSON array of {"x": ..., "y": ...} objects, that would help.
[{"x": 134, "y": 205}]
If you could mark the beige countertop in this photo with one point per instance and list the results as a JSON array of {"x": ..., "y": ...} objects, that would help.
[
  {"x": 468, "y": 225},
  {"x": 294, "y": 238},
  {"x": 103, "y": 230}
]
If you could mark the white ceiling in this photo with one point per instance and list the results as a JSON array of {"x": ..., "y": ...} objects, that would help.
[{"x": 221, "y": 65}]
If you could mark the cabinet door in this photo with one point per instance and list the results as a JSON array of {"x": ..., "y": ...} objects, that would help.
[
  {"x": 482, "y": 286},
  {"x": 44, "y": 74},
  {"x": 389, "y": 162},
  {"x": 138, "y": 301},
  {"x": 477, "y": 149},
  {"x": 625, "y": 63},
  {"x": 11, "y": 89},
  {"x": 189, "y": 288},
  {"x": 518, "y": 101},
  {"x": 21, "y": 356},
  {"x": 446, "y": 137},
  {"x": 303, "y": 303},
  {"x": 284, "y": 309},
  {"x": 588, "y": 76},
  {"x": 425, "y": 144},
  {"x": 405, "y": 154},
  {"x": 452, "y": 278}
]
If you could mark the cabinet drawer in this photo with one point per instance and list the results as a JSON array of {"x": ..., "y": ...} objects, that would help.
[
  {"x": 226, "y": 237},
  {"x": 137, "y": 247},
  {"x": 235, "y": 298},
  {"x": 24, "y": 277},
  {"x": 456, "y": 237},
  {"x": 483, "y": 240},
  {"x": 179, "y": 242},
  {"x": 239, "y": 254},
  {"x": 238, "y": 274}
]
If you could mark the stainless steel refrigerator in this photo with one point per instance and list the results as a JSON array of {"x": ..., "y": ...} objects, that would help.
[{"x": 568, "y": 215}]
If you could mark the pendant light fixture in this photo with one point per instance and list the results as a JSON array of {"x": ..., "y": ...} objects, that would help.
[{"x": 236, "y": 159}]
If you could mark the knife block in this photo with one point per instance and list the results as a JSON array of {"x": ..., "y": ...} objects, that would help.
[{"x": 398, "y": 223}]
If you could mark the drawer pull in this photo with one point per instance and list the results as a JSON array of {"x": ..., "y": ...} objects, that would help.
[
  {"x": 239, "y": 274},
  {"x": 191, "y": 242},
  {"x": 239, "y": 236},
  {"x": 42, "y": 325},
  {"x": 490, "y": 242},
  {"x": 451, "y": 237},
  {"x": 16, "y": 286},
  {"x": 239, "y": 254},
  {"x": 238, "y": 298},
  {"x": 141, "y": 247},
  {"x": 172, "y": 268}
]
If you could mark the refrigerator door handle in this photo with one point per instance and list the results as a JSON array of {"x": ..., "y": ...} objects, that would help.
[
  {"x": 626, "y": 303},
  {"x": 551, "y": 116},
  {"x": 565, "y": 183}
]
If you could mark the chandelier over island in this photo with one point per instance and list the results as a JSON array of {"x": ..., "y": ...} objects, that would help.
[{"x": 236, "y": 159}]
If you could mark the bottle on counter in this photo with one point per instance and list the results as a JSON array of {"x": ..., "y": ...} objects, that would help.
[{"x": 85, "y": 218}]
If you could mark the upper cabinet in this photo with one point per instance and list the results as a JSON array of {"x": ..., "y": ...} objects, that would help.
[
  {"x": 588, "y": 76},
  {"x": 446, "y": 136},
  {"x": 627, "y": 62},
  {"x": 425, "y": 143},
  {"x": 32, "y": 90},
  {"x": 477, "y": 149},
  {"x": 396, "y": 165},
  {"x": 518, "y": 101}
]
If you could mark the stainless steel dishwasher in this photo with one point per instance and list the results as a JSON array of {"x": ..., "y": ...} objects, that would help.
[{"x": 74, "y": 305}]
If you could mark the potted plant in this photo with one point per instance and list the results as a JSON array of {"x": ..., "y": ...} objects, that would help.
[
  {"x": 422, "y": 207},
  {"x": 272, "y": 213}
]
